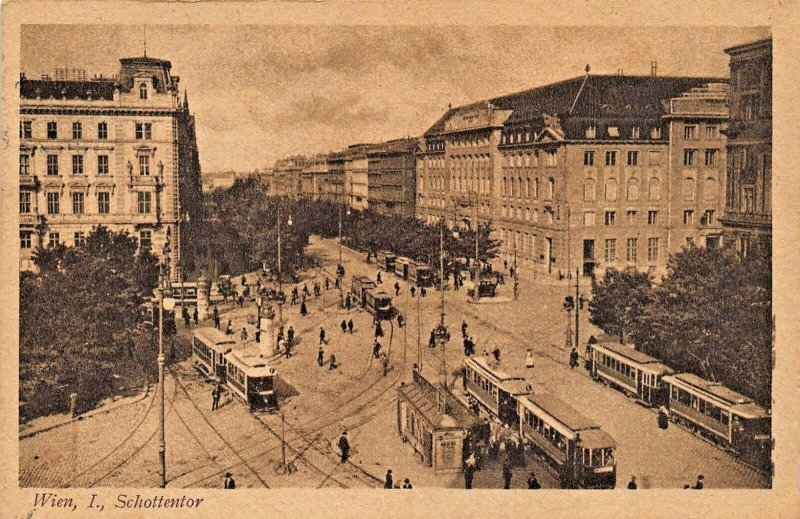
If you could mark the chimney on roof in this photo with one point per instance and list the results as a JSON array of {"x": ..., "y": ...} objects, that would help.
[{"x": 653, "y": 68}]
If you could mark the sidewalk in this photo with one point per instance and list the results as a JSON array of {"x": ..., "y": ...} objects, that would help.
[{"x": 49, "y": 422}]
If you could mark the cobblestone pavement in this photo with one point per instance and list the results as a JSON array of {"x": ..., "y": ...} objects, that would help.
[{"x": 120, "y": 448}]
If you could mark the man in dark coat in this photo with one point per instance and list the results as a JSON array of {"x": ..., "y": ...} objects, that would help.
[
  {"x": 350, "y": 326},
  {"x": 378, "y": 329},
  {"x": 432, "y": 340},
  {"x": 533, "y": 483},
  {"x": 507, "y": 473},
  {"x": 396, "y": 289},
  {"x": 321, "y": 357},
  {"x": 632, "y": 483},
  {"x": 344, "y": 326},
  {"x": 229, "y": 483},
  {"x": 389, "y": 482},
  {"x": 216, "y": 318},
  {"x": 196, "y": 316},
  {"x": 344, "y": 447},
  {"x": 322, "y": 335},
  {"x": 469, "y": 474},
  {"x": 303, "y": 309}
]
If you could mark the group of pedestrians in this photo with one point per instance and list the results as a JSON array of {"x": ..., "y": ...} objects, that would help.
[
  {"x": 388, "y": 481},
  {"x": 699, "y": 484}
]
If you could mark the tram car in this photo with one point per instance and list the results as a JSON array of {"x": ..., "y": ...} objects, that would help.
[
  {"x": 402, "y": 266},
  {"x": 385, "y": 260},
  {"x": 631, "y": 371},
  {"x": 495, "y": 391},
  {"x": 378, "y": 303},
  {"x": 359, "y": 288},
  {"x": 420, "y": 273},
  {"x": 724, "y": 416},
  {"x": 149, "y": 315},
  {"x": 251, "y": 378},
  {"x": 576, "y": 448},
  {"x": 209, "y": 347}
]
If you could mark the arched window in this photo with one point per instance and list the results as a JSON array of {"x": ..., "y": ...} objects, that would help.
[
  {"x": 551, "y": 188},
  {"x": 654, "y": 189},
  {"x": 143, "y": 91},
  {"x": 633, "y": 189},
  {"x": 536, "y": 188},
  {"x": 588, "y": 190},
  {"x": 611, "y": 189},
  {"x": 688, "y": 189},
  {"x": 710, "y": 189}
]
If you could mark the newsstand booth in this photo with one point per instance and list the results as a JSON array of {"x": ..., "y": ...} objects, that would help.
[{"x": 434, "y": 423}]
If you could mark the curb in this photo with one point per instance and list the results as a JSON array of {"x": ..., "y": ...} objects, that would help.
[{"x": 88, "y": 414}]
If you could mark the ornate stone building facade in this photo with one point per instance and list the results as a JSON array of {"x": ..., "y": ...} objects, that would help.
[
  {"x": 117, "y": 152},
  {"x": 392, "y": 177},
  {"x": 748, "y": 198}
]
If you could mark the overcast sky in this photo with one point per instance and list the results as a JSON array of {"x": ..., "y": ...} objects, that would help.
[{"x": 263, "y": 92}]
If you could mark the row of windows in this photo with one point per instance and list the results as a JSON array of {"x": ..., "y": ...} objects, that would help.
[
  {"x": 631, "y": 250},
  {"x": 701, "y": 406},
  {"x": 527, "y": 187},
  {"x": 611, "y": 191},
  {"x": 482, "y": 382},
  {"x": 632, "y": 217},
  {"x": 545, "y": 431},
  {"x": 690, "y": 157},
  {"x": 690, "y": 132},
  {"x": 144, "y": 202},
  {"x": 142, "y": 130},
  {"x": 78, "y": 162},
  {"x": 54, "y": 238}
]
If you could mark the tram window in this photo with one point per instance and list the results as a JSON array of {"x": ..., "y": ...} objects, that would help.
[
  {"x": 724, "y": 416},
  {"x": 587, "y": 457},
  {"x": 608, "y": 456},
  {"x": 597, "y": 457},
  {"x": 701, "y": 406},
  {"x": 695, "y": 401}
]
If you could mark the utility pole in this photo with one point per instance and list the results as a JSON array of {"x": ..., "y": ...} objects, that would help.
[
  {"x": 578, "y": 304},
  {"x": 162, "y": 440},
  {"x": 280, "y": 276},
  {"x": 475, "y": 295}
]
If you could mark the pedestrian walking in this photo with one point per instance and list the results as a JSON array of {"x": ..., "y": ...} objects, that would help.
[
  {"x": 632, "y": 483},
  {"x": 258, "y": 335},
  {"x": 663, "y": 417},
  {"x": 321, "y": 357},
  {"x": 396, "y": 288},
  {"x": 699, "y": 484},
  {"x": 228, "y": 483},
  {"x": 241, "y": 301},
  {"x": 379, "y": 280},
  {"x": 322, "y": 335},
  {"x": 573, "y": 358},
  {"x": 511, "y": 272},
  {"x": 244, "y": 334},
  {"x": 432, "y": 340},
  {"x": 376, "y": 349},
  {"x": 529, "y": 359},
  {"x": 389, "y": 481},
  {"x": 464, "y": 328},
  {"x": 413, "y": 290},
  {"x": 350, "y": 326},
  {"x": 215, "y": 395},
  {"x": 344, "y": 447},
  {"x": 327, "y": 283},
  {"x": 216, "y": 318},
  {"x": 507, "y": 473},
  {"x": 422, "y": 292},
  {"x": 400, "y": 320},
  {"x": 469, "y": 474},
  {"x": 344, "y": 326},
  {"x": 333, "y": 364},
  {"x": 505, "y": 264},
  {"x": 496, "y": 354},
  {"x": 185, "y": 315},
  {"x": 336, "y": 283},
  {"x": 303, "y": 309},
  {"x": 407, "y": 483},
  {"x": 229, "y": 328},
  {"x": 290, "y": 336},
  {"x": 196, "y": 316},
  {"x": 378, "y": 329},
  {"x": 533, "y": 483}
]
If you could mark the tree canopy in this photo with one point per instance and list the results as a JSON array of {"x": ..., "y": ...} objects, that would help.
[{"x": 77, "y": 319}]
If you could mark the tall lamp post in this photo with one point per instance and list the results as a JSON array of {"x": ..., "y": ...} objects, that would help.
[
  {"x": 280, "y": 269},
  {"x": 184, "y": 218},
  {"x": 341, "y": 293},
  {"x": 440, "y": 333},
  {"x": 167, "y": 303}
]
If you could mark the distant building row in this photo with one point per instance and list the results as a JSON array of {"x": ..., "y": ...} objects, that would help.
[{"x": 586, "y": 174}]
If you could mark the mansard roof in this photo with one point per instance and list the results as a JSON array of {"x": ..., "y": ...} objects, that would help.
[{"x": 46, "y": 89}]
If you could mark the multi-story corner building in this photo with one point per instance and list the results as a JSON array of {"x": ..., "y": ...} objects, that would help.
[
  {"x": 748, "y": 198},
  {"x": 356, "y": 177},
  {"x": 119, "y": 152},
  {"x": 392, "y": 177},
  {"x": 314, "y": 176},
  {"x": 286, "y": 176},
  {"x": 573, "y": 176},
  {"x": 333, "y": 187}
]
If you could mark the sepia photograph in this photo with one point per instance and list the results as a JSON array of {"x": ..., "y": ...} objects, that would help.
[{"x": 420, "y": 256}]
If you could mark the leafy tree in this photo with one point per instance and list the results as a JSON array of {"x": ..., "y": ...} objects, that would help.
[
  {"x": 77, "y": 317},
  {"x": 619, "y": 299}
]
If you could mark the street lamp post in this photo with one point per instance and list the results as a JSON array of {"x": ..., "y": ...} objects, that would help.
[
  {"x": 168, "y": 304},
  {"x": 341, "y": 292},
  {"x": 280, "y": 269}
]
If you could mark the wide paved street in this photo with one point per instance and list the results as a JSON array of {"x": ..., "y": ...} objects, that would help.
[{"x": 120, "y": 448}]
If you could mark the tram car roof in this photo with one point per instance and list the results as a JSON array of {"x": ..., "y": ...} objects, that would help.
[
  {"x": 214, "y": 336},
  {"x": 511, "y": 384},
  {"x": 251, "y": 361},
  {"x": 363, "y": 279},
  {"x": 738, "y": 403},
  {"x": 570, "y": 420},
  {"x": 403, "y": 259},
  {"x": 613, "y": 345},
  {"x": 379, "y": 293},
  {"x": 386, "y": 253}
]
